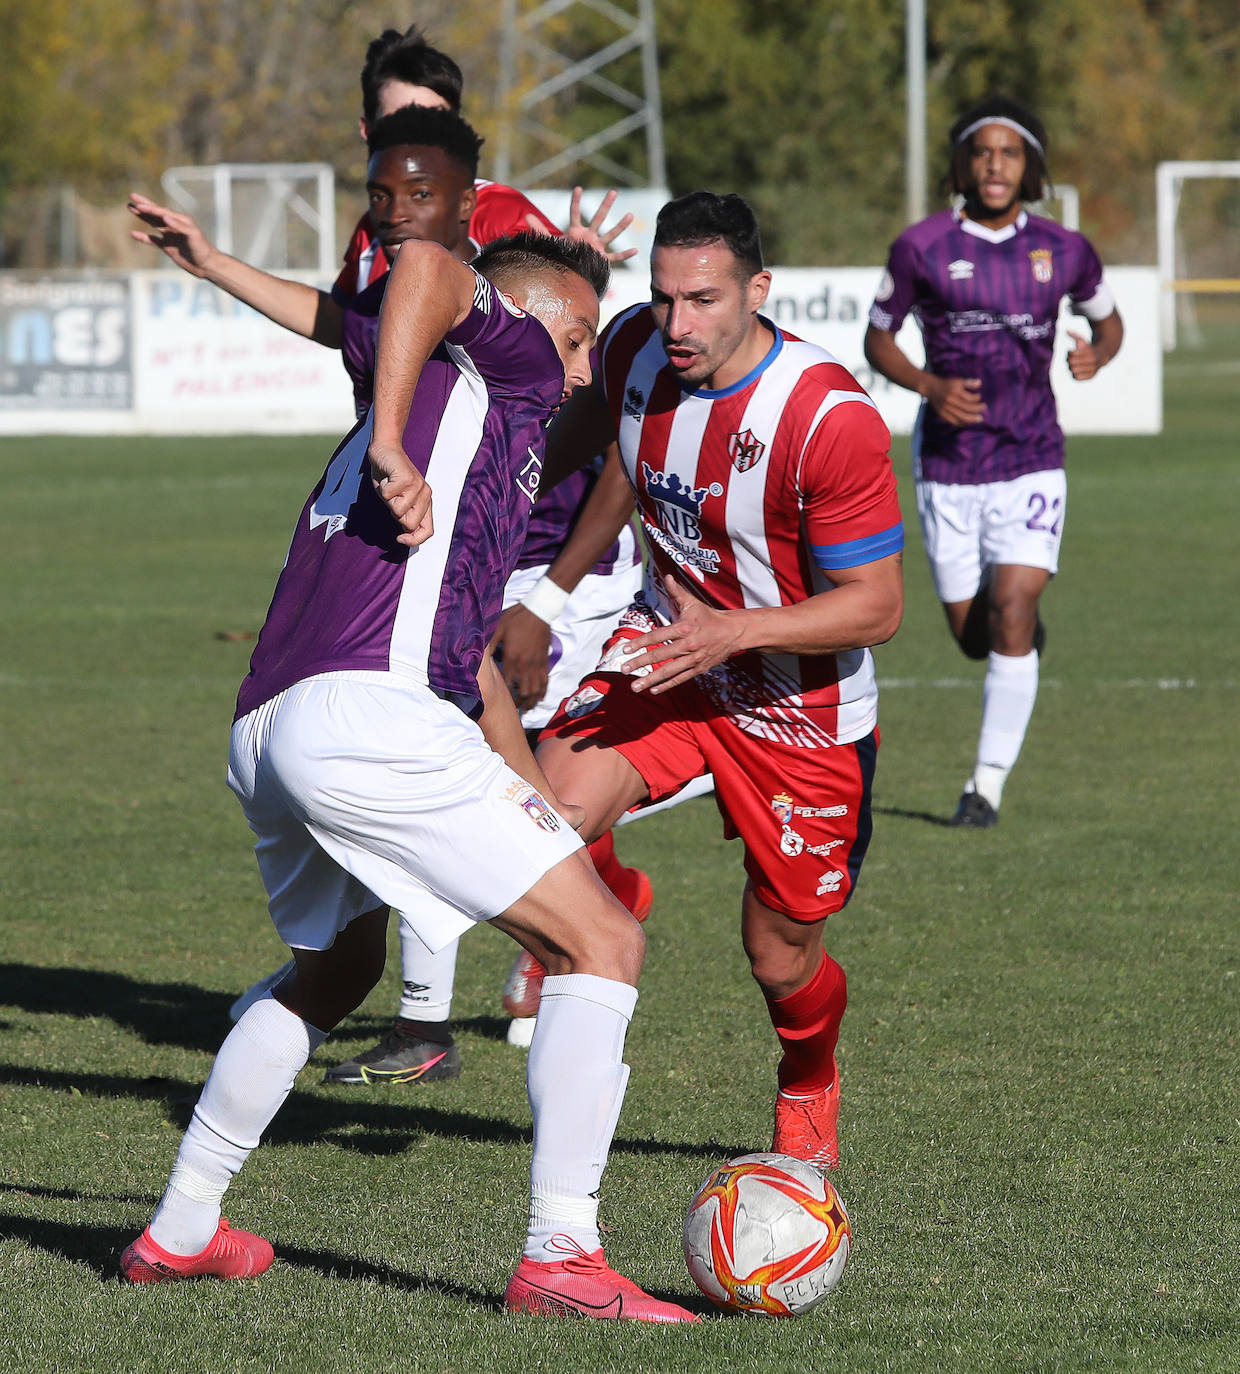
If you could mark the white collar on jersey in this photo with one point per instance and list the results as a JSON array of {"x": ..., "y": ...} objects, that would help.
[{"x": 980, "y": 231}]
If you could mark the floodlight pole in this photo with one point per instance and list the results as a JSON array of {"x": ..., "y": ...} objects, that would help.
[
  {"x": 532, "y": 150},
  {"x": 915, "y": 108}
]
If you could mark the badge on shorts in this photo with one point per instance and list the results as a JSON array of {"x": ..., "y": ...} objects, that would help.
[
  {"x": 781, "y": 804},
  {"x": 790, "y": 842},
  {"x": 531, "y": 801}
]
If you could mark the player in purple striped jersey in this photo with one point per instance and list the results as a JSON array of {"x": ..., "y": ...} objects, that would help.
[
  {"x": 985, "y": 281},
  {"x": 420, "y": 179},
  {"x": 380, "y": 762}
]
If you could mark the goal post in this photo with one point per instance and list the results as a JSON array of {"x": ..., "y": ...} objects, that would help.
[
  {"x": 1175, "y": 289},
  {"x": 279, "y": 216}
]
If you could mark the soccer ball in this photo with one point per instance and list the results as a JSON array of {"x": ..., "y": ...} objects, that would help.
[{"x": 768, "y": 1235}]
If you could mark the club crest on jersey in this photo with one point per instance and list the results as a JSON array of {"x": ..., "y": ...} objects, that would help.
[
  {"x": 781, "y": 804},
  {"x": 633, "y": 402},
  {"x": 1040, "y": 261},
  {"x": 531, "y": 802},
  {"x": 745, "y": 450}
]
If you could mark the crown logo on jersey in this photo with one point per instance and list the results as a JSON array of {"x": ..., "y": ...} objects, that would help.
[
  {"x": 745, "y": 449},
  {"x": 1040, "y": 261},
  {"x": 669, "y": 490}
]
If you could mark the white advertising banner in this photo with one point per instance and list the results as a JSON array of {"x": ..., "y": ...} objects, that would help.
[
  {"x": 207, "y": 364},
  {"x": 165, "y": 353},
  {"x": 830, "y": 306}
]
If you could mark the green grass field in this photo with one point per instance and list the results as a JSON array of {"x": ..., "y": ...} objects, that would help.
[{"x": 1039, "y": 1062}]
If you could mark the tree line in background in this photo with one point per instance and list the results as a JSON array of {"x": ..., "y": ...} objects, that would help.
[{"x": 798, "y": 107}]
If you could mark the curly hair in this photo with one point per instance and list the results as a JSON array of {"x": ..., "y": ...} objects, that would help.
[
  {"x": 1035, "y": 183},
  {"x": 430, "y": 129}
]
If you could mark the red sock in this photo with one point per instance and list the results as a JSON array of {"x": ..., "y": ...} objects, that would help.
[
  {"x": 629, "y": 886},
  {"x": 808, "y": 1025}
]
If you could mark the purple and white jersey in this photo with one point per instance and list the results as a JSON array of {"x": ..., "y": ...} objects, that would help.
[
  {"x": 557, "y": 510},
  {"x": 987, "y": 302},
  {"x": 351, "y": 598}
]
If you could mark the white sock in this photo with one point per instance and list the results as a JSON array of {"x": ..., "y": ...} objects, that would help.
[
  {"x": 252, "y": 1075},
  {"x": 427, "y": 979},
  {"x": 576, "y": 1080},
  {"x": 1008, "y": 696}
]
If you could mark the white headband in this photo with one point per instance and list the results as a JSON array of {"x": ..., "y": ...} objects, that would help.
[{"x": 1007, "y": 123}]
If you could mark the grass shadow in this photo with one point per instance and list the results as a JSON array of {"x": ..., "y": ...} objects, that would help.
[
  {"x": 377, "y": 1124},
  {"x": 900, "y": 813},
  {"x": 97, "y": 1247},
  {"x": 160, "y": 1013}
]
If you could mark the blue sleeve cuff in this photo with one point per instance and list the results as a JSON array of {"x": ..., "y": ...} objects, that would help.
[{"x": 858, "y": 551}]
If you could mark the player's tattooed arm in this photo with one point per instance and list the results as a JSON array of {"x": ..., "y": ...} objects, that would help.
[
  {"x": 430, "y": 292},
  {"x": 1085, "y": 360},
  {"x": 956, "y": 399},
  {"x": 297, "y": 306}
]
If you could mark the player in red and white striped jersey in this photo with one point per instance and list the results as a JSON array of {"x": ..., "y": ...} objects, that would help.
[{"x": 769, "y": 505}]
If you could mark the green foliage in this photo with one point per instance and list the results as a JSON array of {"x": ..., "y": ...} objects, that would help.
[{"x": 799, "y": 107}]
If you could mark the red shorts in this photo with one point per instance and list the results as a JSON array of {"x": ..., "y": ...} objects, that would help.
[{"x": 804, "y": 814}]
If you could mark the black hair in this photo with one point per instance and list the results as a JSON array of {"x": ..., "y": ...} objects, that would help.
[
  {"x": 518, "y": 255},
  {"x": 407, "y": 56},
  {"x": 703, "y": 217},
  {"x": 430, "y": 129},
  {"x": 1035, "y": 183}
]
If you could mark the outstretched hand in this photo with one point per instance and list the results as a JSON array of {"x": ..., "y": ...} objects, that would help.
[
  {"x": 698, "y": 639},
  {"x": 174, "y": 234},
  {"x": 404, "y": 491},
  {"x": 593, "y": 232}
]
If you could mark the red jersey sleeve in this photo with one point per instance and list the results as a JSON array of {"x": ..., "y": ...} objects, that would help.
[
  {"x": 502, "y": 210},
  {"x": 848, "y": 488}
]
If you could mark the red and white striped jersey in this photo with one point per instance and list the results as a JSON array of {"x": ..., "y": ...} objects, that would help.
[{"x": 751, "y": 495}]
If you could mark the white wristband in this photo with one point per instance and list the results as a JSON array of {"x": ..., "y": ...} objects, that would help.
[{"x": 545, "y": 600}]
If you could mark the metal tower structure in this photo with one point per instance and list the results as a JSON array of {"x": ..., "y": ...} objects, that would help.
[{"x": 532, "y": 151}]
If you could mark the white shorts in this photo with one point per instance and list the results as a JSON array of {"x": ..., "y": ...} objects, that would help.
[
  {"x": 578, "y": 632},
  {"x": 969, "y": 528},
  {"x": 367, "y": 790}
]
